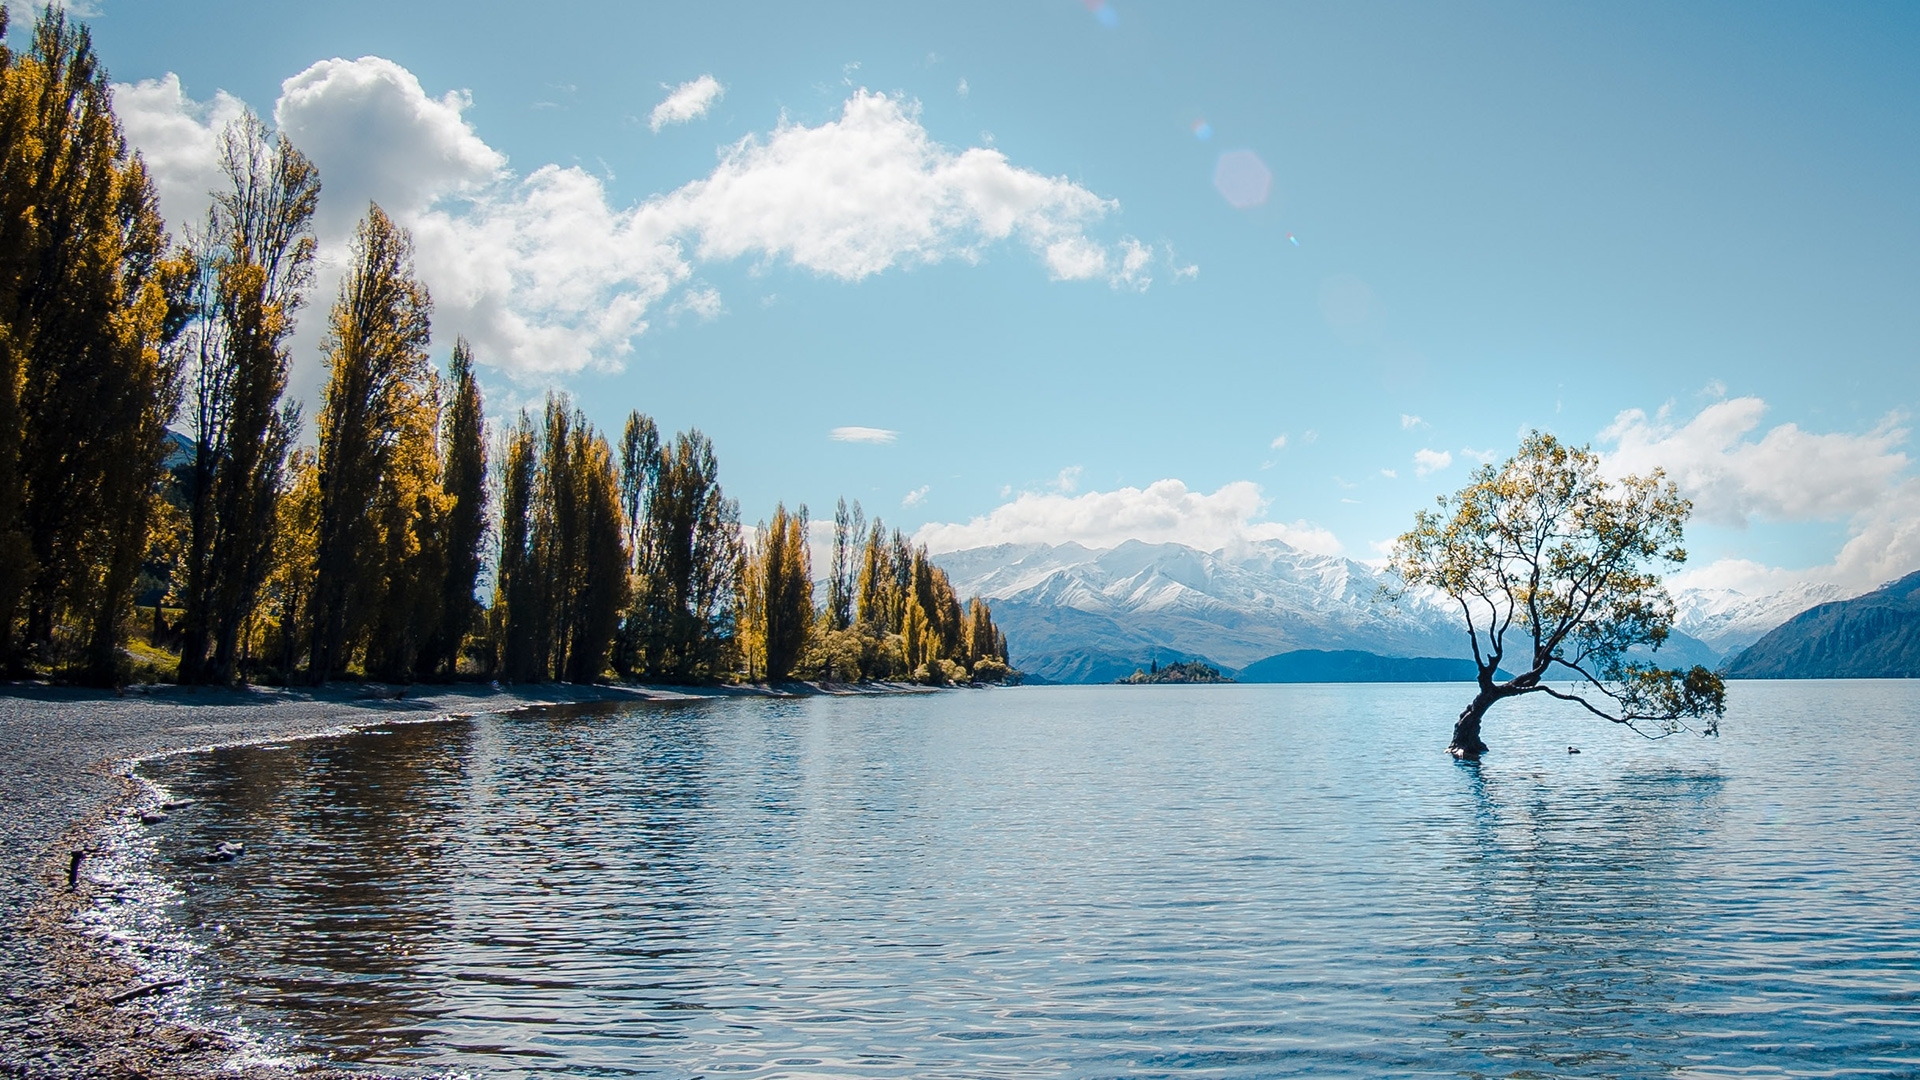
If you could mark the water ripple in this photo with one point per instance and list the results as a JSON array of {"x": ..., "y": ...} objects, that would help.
[{"x": 1071, "y": 882}]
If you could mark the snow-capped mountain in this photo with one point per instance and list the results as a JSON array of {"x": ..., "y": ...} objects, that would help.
[
  {"x": 1728, "y": 620},
  {"x": 1077, "y": 614}
]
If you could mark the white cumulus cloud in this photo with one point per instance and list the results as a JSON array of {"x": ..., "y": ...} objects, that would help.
[
  {"x": 377, "y": 136},
  {"x": 547, "y": 275},
  {"x": 1786, "y": 474},
  {"x": 1427, "y": 462},
  {"x": 1166, "y": 511},
  {"x": 688, "y": 102},
  {"x": 871, "y": 190},
  {"x": 916, "y": 496},
  {"x": 1883, "y": 544},
  {"x": 179, "y": 138},
  {"x": 1735, "y": 472},
  {"x": 863, "y": 435}
]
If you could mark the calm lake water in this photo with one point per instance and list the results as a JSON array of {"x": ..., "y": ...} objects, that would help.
[{"x": 1074, "y": 881}]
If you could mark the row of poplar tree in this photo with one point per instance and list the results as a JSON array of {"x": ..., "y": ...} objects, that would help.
[{"x": 366, "y": 552}]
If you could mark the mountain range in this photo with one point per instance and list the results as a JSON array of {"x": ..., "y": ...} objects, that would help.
[
  {"x": 1875, "y": 636},
  {"x": 1079, "y": 614}
]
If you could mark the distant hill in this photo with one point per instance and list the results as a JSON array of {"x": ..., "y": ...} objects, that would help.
[
  {"x": 1876, "y": 636},
  {"x": 1189, "y": 671},
  {"x": 1352, "y": 665}
]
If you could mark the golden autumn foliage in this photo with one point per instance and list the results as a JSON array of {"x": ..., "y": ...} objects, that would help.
[
  {"x": 89, "y": 300},
  {"x": 1547, "y": 549},
  {"x": 360, "y": 555},
  {"x": 252, "y": 264}
]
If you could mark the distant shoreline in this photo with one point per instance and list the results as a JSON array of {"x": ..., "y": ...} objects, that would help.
[{"x": 72, "y": 1007}]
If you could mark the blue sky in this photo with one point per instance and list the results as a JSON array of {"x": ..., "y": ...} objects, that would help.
[{"x": 1482, "y": 218}]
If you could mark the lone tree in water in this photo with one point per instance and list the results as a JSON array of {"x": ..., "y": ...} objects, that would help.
[{"x": 1545, "y": 547}]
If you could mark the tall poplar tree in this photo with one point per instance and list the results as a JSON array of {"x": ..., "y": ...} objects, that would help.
[
  {"x": 253, "y": 263},
  {"x": 463, "y": 478},
  {"x": 849, "y": 526},
  {"x": 690, "y": 556},
  {"x": 517, "y": 611},
  {"x": 376, "y": 365},
  {"x": 639, "y": 471},
  {"x": 88, "y": 299},
  {"x": 406, "y": 570},
  {"x": 785, "y": 580}
]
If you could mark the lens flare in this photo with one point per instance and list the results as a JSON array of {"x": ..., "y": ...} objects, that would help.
[
  {"x": 1103, "y": 12},
  {"x": 1202, "y": 130},
  {"x": 1292, "y": 239},
  {"x": 1242, "y": 179}
]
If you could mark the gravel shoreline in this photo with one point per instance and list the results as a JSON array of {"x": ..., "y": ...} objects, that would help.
[{"x": 64, "y": 754}]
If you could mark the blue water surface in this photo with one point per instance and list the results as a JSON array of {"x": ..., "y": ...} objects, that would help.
[{"x": 1235, "y": 881}]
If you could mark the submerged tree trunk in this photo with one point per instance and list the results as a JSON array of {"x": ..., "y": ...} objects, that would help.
[{"x": 1466, "y": 743}]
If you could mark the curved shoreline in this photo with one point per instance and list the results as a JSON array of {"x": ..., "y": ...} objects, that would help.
[{"x": 72, "y": 1007}]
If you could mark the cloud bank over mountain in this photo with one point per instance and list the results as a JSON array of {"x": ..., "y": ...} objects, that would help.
[
  {"x": 1738, "y": 475},
  {"x": 1165, "y": 511}
]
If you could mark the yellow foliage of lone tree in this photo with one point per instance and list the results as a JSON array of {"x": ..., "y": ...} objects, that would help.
[{"x": 1546, "y": 549}]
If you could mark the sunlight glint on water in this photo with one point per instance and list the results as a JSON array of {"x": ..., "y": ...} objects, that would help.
[{"x": 1099, "y": 881}]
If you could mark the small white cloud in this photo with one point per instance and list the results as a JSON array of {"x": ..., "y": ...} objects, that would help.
[
  {"x": 702, "y": 301},
  {"x": 1389, "y": 474},
  {"x": 1162, "y": 512},
  {"x": 1134, "y": 257},
  {"x": 878, "y": 436},
  {"x": 1310, "y": 436},
  {"x": 1715, "y": 388},
  {"x": 1408, "y": 422},
  {"x": 916, "y": 496},
  {"x": 962, "y": 89},
  {"x": 687, "y": 102},
  {"x": 23, "y": 16},
  {"x": 1484, "y": 457},
  {"x": 1428, "y": 462},
  {"x": 1069, "y": 479},
  {"x": 1279, "y": 442},
  {"x": 1076, "y": 258},
  {"x": 1187, "y": 272}
]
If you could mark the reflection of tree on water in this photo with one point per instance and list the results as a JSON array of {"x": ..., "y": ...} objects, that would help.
[
  {"x": 395, "y": 877},
  {"x": 342, "y": 880},
  {"x": 1575, "y": 904},
  {"x": 581, "y": 847}
]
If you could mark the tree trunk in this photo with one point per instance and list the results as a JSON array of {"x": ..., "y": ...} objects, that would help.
[{"x": 1466, "y": 743}]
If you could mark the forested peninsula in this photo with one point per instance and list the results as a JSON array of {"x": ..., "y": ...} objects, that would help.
[{"x": 162, "y": 515}]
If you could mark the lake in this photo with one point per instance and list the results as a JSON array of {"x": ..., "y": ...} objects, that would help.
[{"x": 1237, "y": 881}]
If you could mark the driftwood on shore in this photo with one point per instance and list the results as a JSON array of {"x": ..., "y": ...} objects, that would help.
[{"x": 143, "y": 990}]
